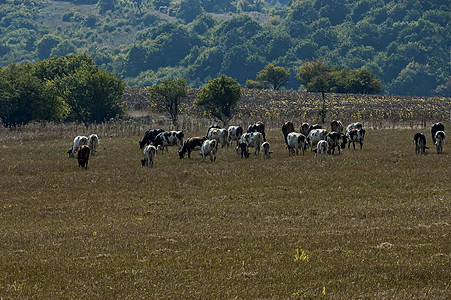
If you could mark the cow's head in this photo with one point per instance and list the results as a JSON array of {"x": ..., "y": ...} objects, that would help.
[
  {"x": 181, "y": 154},
  {"x": 141, "y": 144},
  {"x": 143, "y": 162}
]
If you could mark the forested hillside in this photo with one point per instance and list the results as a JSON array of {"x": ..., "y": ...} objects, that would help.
[{"x": 404, "y": 42}]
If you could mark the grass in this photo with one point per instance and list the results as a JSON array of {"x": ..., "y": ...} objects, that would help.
[{"x": 370, "y": 224}]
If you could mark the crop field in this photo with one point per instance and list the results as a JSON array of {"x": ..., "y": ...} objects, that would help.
[{"x": 365, "y": 224}]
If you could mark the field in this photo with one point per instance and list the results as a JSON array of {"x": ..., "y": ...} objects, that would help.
[{"x": 367, "y": 224}]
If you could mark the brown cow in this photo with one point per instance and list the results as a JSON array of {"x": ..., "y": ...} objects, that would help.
[
  {"x": 83, "y": 156},
  {"x": 287, "y": 127},
  {"x": 304, "y": 128}
]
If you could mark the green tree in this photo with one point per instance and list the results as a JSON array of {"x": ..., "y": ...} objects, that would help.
[
  {"x": 219, "y": 97},
  {"x": 46, "y": 44},
  {"x": 274, "y": 76},
  {"x": 168, "y": 96}
]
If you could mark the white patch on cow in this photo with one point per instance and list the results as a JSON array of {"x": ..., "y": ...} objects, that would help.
[
  {"x": 218, "y": 134},
  {"x": 296, "y": 141},
  {"x": 77, "y": 143},
  {"x": 93, "y": 143},
  {"x": 209, "y": 147},
  {"x": 322, "y": 147},
  {"x": 149, "y": 155}
]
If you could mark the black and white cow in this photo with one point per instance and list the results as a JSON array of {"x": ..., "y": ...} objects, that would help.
[
  {"x": 191, "y": 144},
  {"x": 168, "y": 138},
  {"x": 233, "y": 134},
  {"x": 440, "y": 138},
  {"x": 149, "y": 156},
  {"x": 314, "y": 136},
  {"x": 252, "y": 139},
  {"x": 356, "y": 125},
  {"x": 211, "y": 127},
  {"x": 419, "y": 140},
  {"x": 149, "y": 136},
  {"x": 209, "y": 147},
  {"x": 266, "y": 150},
  {"x": 322, "y": 147},
  {"x": 257, "y": 127},
  {"x": 313, "y": 127},
  {"x": 355, "y": 135},
  {"x": 436, "y": 127},
  {"x": 218, "y": 134},
  {"x": 333, "y": 138},
  {"x": 296, "y": 141}
]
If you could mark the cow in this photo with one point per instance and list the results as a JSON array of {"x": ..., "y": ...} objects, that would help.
[
  {"x": 314, "y": 136},
  {"x": 266, "y": 150},
  {"x": 313, "y": 127},
  {"x": 440, "y": 138},
  {"x": 149, "y": 137},
  {"x": 436, "y": 127},
  {"x": 419, "y": 140},
  {"x": 191, "y": 144},
  {"x": 149, "y": 156},
  {"x": 304, "y": 128},
  {"x": 233, "y": 134},
  {"x": 244, "y": 150},
  {"x": 77, "y": 143},
  {"x": 83, "y": 156},
  {"x": 322, "y": 147},
  {"x": 356, "y": 125},
  {"x": 336, "y": 126},
  {"x": 252, "y": 139},
  {"x": 287, "y": 127},
  {"x": 218, "y": 134},
  {"x": 211, "y": 127},
  {"x": 333, "y": 138},
  {"x": 355, "y": 135},
  {"x": 93, "y": 143},
  {"x": 209, "y": 147},
  {"x": 296, "y": 141},
  {"x": 168, "y": 138},
  {"x": 257, "y": 127}
]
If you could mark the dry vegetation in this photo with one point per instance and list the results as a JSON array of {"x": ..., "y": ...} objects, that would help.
[{"x": 370, "y": 224}]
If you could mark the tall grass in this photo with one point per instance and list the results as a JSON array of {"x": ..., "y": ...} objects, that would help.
[{"x": 371, "y": 223}]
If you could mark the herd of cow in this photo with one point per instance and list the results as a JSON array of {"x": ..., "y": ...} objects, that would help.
[{"x": 308, "y": 136}]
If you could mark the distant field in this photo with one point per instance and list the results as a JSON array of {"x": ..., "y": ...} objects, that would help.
[{"x": 369, "y": 224}]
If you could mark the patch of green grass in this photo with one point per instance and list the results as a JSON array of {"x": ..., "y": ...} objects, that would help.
[{"x": 371, "y": 223}]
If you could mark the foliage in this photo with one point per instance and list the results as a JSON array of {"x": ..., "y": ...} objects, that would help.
[
  {"x": 274, "y": 76},
  {"x": 168, "y": 96},
  {"x": 219, "y": 97}
]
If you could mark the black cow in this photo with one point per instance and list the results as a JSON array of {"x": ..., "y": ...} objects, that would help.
[
  {"x": 436, "y": 127},
  {"x": 83, "y": 156},
  {"x": 257, "y": 127},
  {"x": 419, "y": 140},
  {"x": 191, "y": 144},
  {"x": 149, "y": 136},
  {"x": 287, "y": 128}
]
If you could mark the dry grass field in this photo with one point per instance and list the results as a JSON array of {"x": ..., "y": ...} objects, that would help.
[{"x": 366, "y": 224}]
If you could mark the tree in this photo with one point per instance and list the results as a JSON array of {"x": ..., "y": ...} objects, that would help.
[
  {"x": 168, "y": 95},
  {"x": 219, "y": 97},
  {"x": 274, "y": 76}
]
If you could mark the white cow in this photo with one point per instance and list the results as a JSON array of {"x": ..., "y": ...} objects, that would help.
[
  {"x": 266, "y": 150},
  {"x": 149, "y": 156},
  {"x": 78, "y": 142},
  {"x": 93, "y": 143},
  {"x": 209, "y": 147},
  {"x": 233, "y": 134},
  {"x": 218, "y": 134},
  {"x": 315, "y": 136},
  {"x": 252, "y": 139},
  {"x": 322, "y": 147},
  {"x": 440, "y": 138},
  {"x": 296, "y": 141}
]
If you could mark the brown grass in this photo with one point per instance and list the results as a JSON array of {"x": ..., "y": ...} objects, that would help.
[{"x": 371, "y": 223}]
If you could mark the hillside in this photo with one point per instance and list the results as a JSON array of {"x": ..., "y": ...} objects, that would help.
[{"x": 404, "y": 42}]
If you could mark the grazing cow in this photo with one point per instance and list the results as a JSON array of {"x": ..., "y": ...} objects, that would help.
[
  {"x": 168, "y": 138},
  {"x": 244, "y": 149},
  {"x": 218, "y": 134},
  {"x": 296, "y": 141},
  {"x": 266, "y": 150},
  {"x": 233, "y": 134},
  {"x": 304, "y": 128},
  {"x": 436, "y": 127},
  {"x": 322, "y": 147},
  {"x": 211, "y": 127},
  {"x": 419, "y": 140},
  {"x": 336, "y": 126},
  {"x": 78, "y": 142},
  {"x": 440, "y": 141},
  {"x": 313, "y": 127},
  {"x": 209, "y": 147},
  {"x": 257, "y": 127},
  {"x": 315, "y": 136},
  {"x": 333, "y": 138},
  {"x": 149, "y": 137},
  {"x": 83, "y": 156},
  {"x": 287, "y": 127},
  {"x": 191, "y": 144},
  {"x": 355, "y": 135},
  {"x": 252, "y": 139},
  {"x": 93, "y": 143},
  {"x": 149, "y": 156},
  {"x": 356, "y": 125}
]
